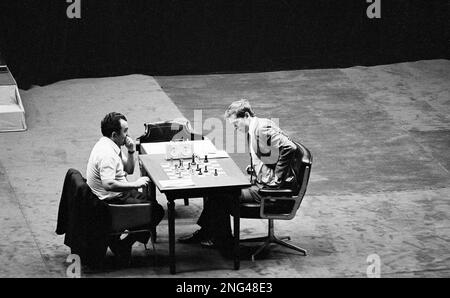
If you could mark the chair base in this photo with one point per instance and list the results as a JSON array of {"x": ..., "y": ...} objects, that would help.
[{"x": 271, "y": 238}]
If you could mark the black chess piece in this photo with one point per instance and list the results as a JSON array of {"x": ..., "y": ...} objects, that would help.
[
  {"x": 193, "y": 160},
  {"x": 215, "y": 172},
  {"x": 198, "y": 167},
  {"x": 206, "y": 159},
  {"x": 200, "y": 171},
  {"x": 206, "y": 169},
  {"x": 189, "y": 166}
]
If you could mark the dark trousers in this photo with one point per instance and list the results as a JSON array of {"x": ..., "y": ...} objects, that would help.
[
  {"x": 136, "y": 197},
  {"x": 215, "y": 217}
]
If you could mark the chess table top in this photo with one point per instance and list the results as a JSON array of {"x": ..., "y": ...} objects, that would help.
[{"x": 153, "y": 165}]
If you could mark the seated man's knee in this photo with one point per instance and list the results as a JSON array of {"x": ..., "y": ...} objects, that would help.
[{"x": 250, "y": 195}]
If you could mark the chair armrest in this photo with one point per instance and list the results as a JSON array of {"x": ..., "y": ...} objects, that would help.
[
  {"x": 266, "y": 192},
  {"x": 251, "y": 205},
  {"x": 275, "y": 207}
]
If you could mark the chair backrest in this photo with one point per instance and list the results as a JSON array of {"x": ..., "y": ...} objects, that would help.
[
  {"x": 165, "y": 131},
  {"x": 303, "y": 162},
  {"x": 304, "y": 169}
]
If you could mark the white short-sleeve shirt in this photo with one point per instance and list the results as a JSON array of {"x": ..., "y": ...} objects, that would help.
[{"x": 104, "y": 163}]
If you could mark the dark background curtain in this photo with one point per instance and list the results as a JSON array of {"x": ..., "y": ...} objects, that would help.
[{"x": 42, "y": 45}]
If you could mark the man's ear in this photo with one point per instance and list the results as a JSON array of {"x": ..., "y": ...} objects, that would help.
[{"x": 114, "y": 135}]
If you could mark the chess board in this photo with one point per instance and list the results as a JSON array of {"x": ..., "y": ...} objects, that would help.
[{"x": 174, "y": 171}]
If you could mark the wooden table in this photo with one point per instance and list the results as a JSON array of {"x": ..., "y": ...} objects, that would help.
[{"x": 230, "y": 184}]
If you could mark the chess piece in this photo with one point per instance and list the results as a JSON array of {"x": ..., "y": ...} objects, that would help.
[
  {"x": 206, "y": 159},
  {"x": 206, "y": 169},
  {"x": 200, "y": 171},
  {"x": 215, "y": 172},
  {"x": 198, "y": 168},
  {"x": 179, "y": 175},
  {"x": 193, "y": 160},
  {"x": 189, "y": 166},
  {"x": 181, "y": 166}
]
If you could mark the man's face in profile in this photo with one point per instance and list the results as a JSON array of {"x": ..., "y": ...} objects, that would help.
[
  {"x": 121, "y": 137},
  {"x": 239, "y": 123}
]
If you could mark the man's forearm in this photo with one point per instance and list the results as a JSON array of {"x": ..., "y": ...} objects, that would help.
[
  {"x": 129, "y": 163},
  {"x": 119, "y": 186}
]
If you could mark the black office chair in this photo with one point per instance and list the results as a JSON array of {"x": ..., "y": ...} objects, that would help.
[
  {"x": 280, "y": 204},
  {"x": 87, "y": 221},
  {"x": 165, "y": 131}
]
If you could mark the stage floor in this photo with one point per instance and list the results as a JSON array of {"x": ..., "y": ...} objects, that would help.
[{"x": 380, "y": 181}]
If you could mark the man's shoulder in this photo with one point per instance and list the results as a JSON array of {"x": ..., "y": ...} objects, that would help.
[
  {"x": 264, "y": 124},
  {"x": 102, "y": 145},
  {"x": 103, "y": 150}
]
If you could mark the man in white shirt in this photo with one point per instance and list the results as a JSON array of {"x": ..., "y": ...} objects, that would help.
[
  {"x": 107, "y": 172},
  {"x": 272, "y": 158}
]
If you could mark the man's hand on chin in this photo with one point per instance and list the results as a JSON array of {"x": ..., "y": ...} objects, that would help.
[{"x": 129, "y": 144}]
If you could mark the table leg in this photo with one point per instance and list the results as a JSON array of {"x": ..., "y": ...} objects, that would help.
[
  {"x": 152, "y": 190},
  {"x": 236, "y": 231},
  {"x": 171, "y": 219}
]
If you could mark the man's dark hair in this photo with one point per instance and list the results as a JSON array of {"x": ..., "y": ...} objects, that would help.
[{"x": 111, "y": 123}]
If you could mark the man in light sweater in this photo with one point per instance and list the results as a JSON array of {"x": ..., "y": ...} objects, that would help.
[{"x": 107, "y": 172}]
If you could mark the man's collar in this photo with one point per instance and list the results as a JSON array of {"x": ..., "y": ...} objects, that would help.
[
  {"x": 112, "y": 144},
  {"x": 252, "y": 125}
]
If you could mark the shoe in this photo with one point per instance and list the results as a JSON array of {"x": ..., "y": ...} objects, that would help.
[
  {"x": 208, "y": 243},
  {"x": 195, "y": 237}
]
